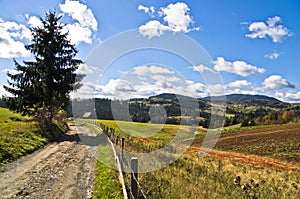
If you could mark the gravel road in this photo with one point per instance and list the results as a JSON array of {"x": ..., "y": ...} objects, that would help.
[{"x": 64, "y": 169}]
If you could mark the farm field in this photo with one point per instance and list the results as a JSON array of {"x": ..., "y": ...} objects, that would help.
[
  {"x": 279, "y": 142},
  {"x": 263, "y": 174}
]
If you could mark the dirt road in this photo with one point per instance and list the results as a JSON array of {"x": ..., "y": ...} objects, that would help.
[{"x": 64, "y": 169}]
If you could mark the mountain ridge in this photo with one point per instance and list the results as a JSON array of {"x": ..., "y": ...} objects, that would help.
[{"x": 230, "y": 98}]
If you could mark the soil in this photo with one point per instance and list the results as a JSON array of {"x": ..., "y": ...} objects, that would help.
[{"x": 64, "y": 169}]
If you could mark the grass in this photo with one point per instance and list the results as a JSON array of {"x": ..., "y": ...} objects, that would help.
[
  {"x": 20, "y": 136},
  {"x": 191, "y": 177},
  {"x": 106, "y": 183}
]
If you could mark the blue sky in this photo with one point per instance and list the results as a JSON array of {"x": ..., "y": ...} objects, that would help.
[{"x": 254, "y": 45}]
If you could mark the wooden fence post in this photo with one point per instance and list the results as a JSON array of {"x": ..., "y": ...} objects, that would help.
[
  {"x": 122, "y": 153},
  {"x": 117, "y": 140},
  {"x": 134, "y": 176}
]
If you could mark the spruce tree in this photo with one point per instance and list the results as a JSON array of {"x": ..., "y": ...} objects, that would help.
[{"x": 41, "y": 88}]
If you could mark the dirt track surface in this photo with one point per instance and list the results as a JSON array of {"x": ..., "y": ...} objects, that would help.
[{"x": 59, "y": 170}]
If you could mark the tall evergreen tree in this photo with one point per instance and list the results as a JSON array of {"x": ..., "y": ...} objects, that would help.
[{"x": 41, "y": 88}]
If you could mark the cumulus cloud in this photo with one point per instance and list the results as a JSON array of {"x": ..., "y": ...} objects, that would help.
[
  {"x": 153, "y": 28},
  {"x": 80, "y": 31},
  {"x": 145, "y": 81},
  {"x": 241, "y": 91},
  {"x": 176, "y": 18},
  {"x": 272, "y": 56},
  {"x": 80, "y": 12},
  {"x": 85, "y": 69},
  {"x": 240, "y": 84},
  {"x": 117, "y": 87},
  {"x": 12, "y": 36},
  {"x": 151, "y": 70},
  {"x": 276, "y": 82},
  {"x": 201, "y": 68},
  {"x": 237, "y": 67},
  {"x": 291, "y": 96},
  {"x": 269, "y": 29},
  {"x": 148, "y": 10},
  {"x": 33, "y": 21},
  {"x": 216, "y": 89}
]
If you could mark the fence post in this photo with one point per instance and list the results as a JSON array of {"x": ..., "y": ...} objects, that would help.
[
  {"x": 122, "y": 153},
  {"x": 134, "y": 176},
  {"x": 117, "y": 140}
]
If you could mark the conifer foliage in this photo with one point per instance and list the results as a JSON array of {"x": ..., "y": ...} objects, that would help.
[{"x": 41, "y": 87}]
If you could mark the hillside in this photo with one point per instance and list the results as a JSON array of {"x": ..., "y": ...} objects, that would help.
[
  {"x": 243, "y": 98},
  {"x": 245, "y": 109}
]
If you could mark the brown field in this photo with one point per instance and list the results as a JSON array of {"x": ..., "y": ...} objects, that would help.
[{"x": 279, "y": 144}]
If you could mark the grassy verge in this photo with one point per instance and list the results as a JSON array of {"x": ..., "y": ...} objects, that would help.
[
  {"x": 106, "y": 183},
  {"x": 190, "y": 177},
  {"x": 20, "y": 136}
]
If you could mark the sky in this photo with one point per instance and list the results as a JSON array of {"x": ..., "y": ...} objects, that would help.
[{"x": 253, "y": 46}]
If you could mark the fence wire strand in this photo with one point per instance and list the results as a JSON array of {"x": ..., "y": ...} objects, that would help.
[{"x": 123, "y": 159}]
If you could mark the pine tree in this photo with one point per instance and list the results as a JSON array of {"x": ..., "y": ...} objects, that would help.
[{"x": 41, "y": 88}]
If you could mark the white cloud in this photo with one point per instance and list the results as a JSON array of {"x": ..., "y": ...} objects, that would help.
[
  {"x": 80, "y": 12},
  {"x": 33, "y": 21},
  {"x": 153, "y": 28},
  {"x": 175, "y": 16},
  {"x": 272, "y": 56},
  {"x": 148, "y": 10},
  {"x": 240, "y": 91},
  {"x": 276, "y": 82},
  {"x": 240, "y": 84},
  {"x": 165, "y": 78},
  {"x": 216, "y": 89},
  {"x": 270, "y": 28},
  {"x": 290, "y": 96},
  {"x": 118, "y": 88},
  {"x": 11, "y": 71},
  {"x": 151, "y": 70},
  {"x": 80, "y": 31},
  {"x": 237, "y": 67},
  {"x": 12, "y": 36},
  {"x": 201, "y": 68},
  {"x": 85, "y": 69}
]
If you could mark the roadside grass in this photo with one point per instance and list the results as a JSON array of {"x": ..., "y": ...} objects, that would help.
[
  {"x": 190, "y": 177},
  {"x": 106, "y": 183},
  {"x": 20, "y": 136}
]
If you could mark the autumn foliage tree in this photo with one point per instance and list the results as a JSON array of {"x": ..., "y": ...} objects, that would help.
[{"x": 41, "y": 88}]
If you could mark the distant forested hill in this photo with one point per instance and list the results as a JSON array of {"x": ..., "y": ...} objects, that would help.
[
  {"x": 241, "y": 109},
  {"x": 242, "y": 98}
]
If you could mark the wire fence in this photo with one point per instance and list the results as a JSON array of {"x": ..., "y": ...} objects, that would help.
[{"x": 128, "y": 169}]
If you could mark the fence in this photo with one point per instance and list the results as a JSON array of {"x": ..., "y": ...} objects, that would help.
[{"x": 127, "y": 169}]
